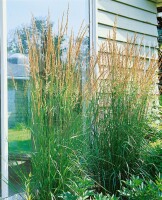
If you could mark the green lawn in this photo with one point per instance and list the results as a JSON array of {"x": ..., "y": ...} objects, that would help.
[{"x": 19, "y": 141}]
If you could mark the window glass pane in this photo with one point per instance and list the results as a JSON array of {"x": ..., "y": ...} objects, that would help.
[{"x": 19, "y": 16}]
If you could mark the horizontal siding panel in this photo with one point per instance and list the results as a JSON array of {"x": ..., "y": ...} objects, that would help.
[
  {"x": 127, "y": 11},
  {"x": 125, "y": 23},
  {"x": 104, "y": 57},
  {"x": 145, "y": 49},
  {"x": 104, "y": 70},
  {"x": 122, "y": 35},
  {"x": 142, "y": 4}
]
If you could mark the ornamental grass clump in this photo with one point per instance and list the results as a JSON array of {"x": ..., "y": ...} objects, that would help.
[
  {"x": 55, "y": 111},
  {"x": 119, "y": 109},
  {"x": 85, "y": 125}
]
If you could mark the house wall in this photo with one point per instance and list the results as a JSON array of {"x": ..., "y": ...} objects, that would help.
[{"x": 132, "y": 16}]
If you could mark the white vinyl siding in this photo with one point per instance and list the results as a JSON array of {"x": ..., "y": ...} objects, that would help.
[
  {"x": 142, "y": 4},
  {"x": 146, "y": 50},
  {"x": 132, "y": 17},
  {"x": 124, "y": 23}
]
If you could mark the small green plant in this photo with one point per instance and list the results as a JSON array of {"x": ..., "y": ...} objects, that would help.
[
  {"x": 152, "y": 158},
  {"x": 105, "y": 197},
  {"x": 85, "y": 189},
  {"x": 81, "y": 189},
  {"x": 93, "y": 196},
  {"x": 139, "y": 189},
  {"x": 28, "y": 194}
]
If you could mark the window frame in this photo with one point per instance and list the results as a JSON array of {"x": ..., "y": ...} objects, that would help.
[{"x": 4, "y": 101}]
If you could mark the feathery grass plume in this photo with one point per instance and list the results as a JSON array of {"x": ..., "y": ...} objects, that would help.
[
  {"x": 119, "y": 108},
  {"x": 56, "y": 110}
]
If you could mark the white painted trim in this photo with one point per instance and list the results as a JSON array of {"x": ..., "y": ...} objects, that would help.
[
  {"x": 4, "y": 101},
  {"x": 93, "y": 24},
  {"x": 93, "y": 29}
]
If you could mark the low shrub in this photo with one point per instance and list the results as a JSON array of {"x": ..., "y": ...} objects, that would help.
[
  {"x": 151, "y": 156},
  {"x": 139, "y": 189},
  {"x": 80, "y": 189},
  {"x": 85, "y": 189}
]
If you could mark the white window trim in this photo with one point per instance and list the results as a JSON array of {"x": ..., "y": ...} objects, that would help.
[
  {"x": 93, "y": 24},
  {"x": 93, "y": 29},
  {"x": 4, "y": 101}
]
